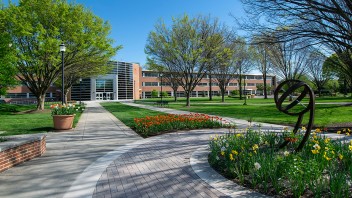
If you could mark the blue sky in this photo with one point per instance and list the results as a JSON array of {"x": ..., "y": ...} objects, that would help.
[{"x": 132, "y": 20}]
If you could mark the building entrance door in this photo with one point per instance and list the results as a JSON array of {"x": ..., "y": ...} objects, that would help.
[{"x": 104, "y": 96}]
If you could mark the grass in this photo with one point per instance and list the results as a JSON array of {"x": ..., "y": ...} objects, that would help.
[
  {"x": 22, "y": 119},
  {"x": 126, "y": 114},
  {"x": 236, "y": 100},
  {"x": 261, "y": 110}
]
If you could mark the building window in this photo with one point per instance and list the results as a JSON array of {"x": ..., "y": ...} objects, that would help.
[
  {"x": 214, "y": 84},
  {"x": 16, "y": 95},
  {"x": 250, "y": 84},
  {"x": 104, "y": 85},
  {"x": 232, "y": 84},
  {"x": 151, "y": 84},
  {"x": 250, "y": 77},
  {"x": 150, "y": 74},
  {"x": 203, "y": 84},
  {"x": 259, "y": 77}
]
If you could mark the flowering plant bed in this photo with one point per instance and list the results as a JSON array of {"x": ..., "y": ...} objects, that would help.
[
  {"x": 152, "y": 125},
  {"x": 322, "y": 169},
  {"x": 69, "y": 109}
]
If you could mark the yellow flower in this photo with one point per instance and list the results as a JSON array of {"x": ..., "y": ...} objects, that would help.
[
  {"x": 326, "y": 157},
  {"x": 348, "y": 134},
  {"x": 315, "y": 137},
  {"x": 349, "y": 130},
  {"x": 316, "y": 147},
  {"x": 317, "y": 130},
  {"x": 338, "y": 132},
  {"x": 285, "y": 128},
  {"x": 255, "y": 147},
  {"x": 238, "y": 135},
  {"x": 231, "y": 157},
  {"x": 350, "y": 147},
  {"x": 340, "y": 156},
  {"x": 315, "y": 151},
  {"x": 327, "y": 140},
  {"x": 234, "y": 152},
  {"x": 304, "y": 128},
  {"x": 222, "y": 153}
]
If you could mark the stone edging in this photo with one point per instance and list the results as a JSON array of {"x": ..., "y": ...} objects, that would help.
[
  {"x": 18, "y": 149},
  {"x": 200, "y": 165}
]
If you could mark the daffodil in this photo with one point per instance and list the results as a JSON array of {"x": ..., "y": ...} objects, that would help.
[
  {"x": 327, "y": 140},
  {"x": 234, "y": 152},
  {"x": 286, "y": 153},
  {"x": 338, "y": 132},
  {"x": 231, "y": 157},
  {"x": 315, "y": 151},
  {"x": 257, "y": 166},
  {"x": 318, "y": 130},
  {"x": 340, "y": 156},
  {"x": 222, "y": 153}
]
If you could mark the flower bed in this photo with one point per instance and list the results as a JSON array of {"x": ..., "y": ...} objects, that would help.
[
  {"x": 322, "y": 169},
  {"x": 152, "y": 125}
]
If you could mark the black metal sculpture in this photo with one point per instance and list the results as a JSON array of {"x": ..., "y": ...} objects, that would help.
[{"x": 294, "y": 85}]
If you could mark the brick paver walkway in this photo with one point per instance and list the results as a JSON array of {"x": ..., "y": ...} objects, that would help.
[{"x": 158, "y": 168}]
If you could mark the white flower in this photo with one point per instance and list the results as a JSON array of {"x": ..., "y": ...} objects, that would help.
[
  {"x": 223, "y": 149},
  {"x": 257, "y": 166},
  {"x": 286, "y": 153},
  {"x": 217, "y": 158}
]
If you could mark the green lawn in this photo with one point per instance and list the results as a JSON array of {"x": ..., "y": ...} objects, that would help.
[
  {"x": 262, "y": 110},
  {"x": 126, "y": 113},
  {"x": 256, "y": 101},
  {"x": 17, "y": 120}
]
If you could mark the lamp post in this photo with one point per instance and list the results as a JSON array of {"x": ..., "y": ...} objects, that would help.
[
  {"x": 62, "y": 50},
  {"x": 161, "y": 89},
  {"x": 80, "y": 91}
]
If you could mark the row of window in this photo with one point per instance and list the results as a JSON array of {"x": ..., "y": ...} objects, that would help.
[
  {"x": 27, "y": 95},
  {"x": 157, "y": 84},
  {"x": 249, "y": 77}
]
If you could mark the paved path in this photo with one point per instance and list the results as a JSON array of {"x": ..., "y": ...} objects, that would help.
[{"x": 68, "y": 155}]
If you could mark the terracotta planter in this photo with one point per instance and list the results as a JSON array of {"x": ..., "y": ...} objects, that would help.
[{"x": 63, "y": 122}]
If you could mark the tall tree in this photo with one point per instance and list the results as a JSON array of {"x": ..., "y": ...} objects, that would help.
[
  {"x": 168, "y": 77},
  {"x": 261, "y": 51},
  {"x": 243, "y": 62},
  {"x": 322, "y": 22},
  {"x": 7, "y": 58},
  {"x": 38, "y": 28},
  {"x": 317, "y": 75},
  {"x": 185, "y": 49},
  {"x": 288, "y": 58}
]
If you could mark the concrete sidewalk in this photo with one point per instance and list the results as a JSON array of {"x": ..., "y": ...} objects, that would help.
[{"x": 68, "y": 155}]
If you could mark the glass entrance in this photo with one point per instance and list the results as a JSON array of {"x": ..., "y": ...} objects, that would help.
[{"x": 104, "y": 96}]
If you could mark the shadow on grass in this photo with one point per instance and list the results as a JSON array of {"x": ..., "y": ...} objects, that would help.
[{"x": 42, "y": 129}]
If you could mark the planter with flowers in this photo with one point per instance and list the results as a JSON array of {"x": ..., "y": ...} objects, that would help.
[{"x": 63, "y": 116}]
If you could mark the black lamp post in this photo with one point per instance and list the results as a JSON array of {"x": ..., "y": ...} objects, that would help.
[
  {"x": 161, "y": 90},
  {"x": 62, "y": 50}
]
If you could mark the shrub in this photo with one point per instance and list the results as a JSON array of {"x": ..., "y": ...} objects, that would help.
[
  {"x": 322, "y": 168},
  {"x": 154, "y": 94}
]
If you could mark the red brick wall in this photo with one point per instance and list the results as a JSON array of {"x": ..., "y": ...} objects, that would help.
[{"x": 22, "y": 153}]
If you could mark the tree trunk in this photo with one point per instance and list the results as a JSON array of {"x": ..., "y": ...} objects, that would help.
[
  {"x": 240, "y": 86},
  {"x": 222, "y": 95},
  {"x": 175, "y": 95},
  {"x": 265, "y": 93},
  {"x": 40, "y": 102},
  {"x": 188, "y": 100},
  {"x": 210, "y": 89}
]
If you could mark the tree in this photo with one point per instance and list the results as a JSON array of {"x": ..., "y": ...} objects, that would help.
[
  {"x": 41, "y": 26},
  {"x": 185, "y": 49},
  {"x": 315, "y": 71},
  {"x": 242, "y": 61},
  {"x": 7, "y": 59},
  {"x": 327, "y": 23},
  {"x": 168, "y": 78},
  {"x": 261, "y": 49},
  {"x": 334, "y": 65},
  {"x": 288, "y": 58}
]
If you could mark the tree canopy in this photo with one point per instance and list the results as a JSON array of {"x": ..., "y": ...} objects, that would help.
[
  {"x": 185, "y": 49},
  {"x": 37, "y": 28}
]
